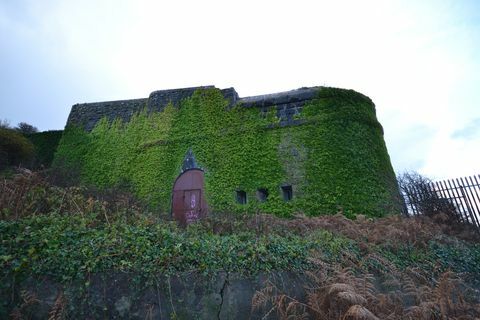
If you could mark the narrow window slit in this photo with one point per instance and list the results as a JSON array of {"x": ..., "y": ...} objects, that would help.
[
  {"x": 262, "y": 194},
  {"x": 287, "y": 193},
  {"x": 241, "y": 197}
]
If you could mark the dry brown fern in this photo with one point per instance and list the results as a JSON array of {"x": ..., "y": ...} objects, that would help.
[
  {"x": 357, "y": 312},
  {"x": 341, "y": 294},
  {"x": 286, "y": 307},
  {"x": 263, "y": 297},
  {"x": 58, "y": 311},
  {"x": 28, "y": 299},
  {"x": 149, "y": 311},
  {"x": 16, "y": 314},
  {"x": 390, "y": 294},
  {"x": 388, "y": 306},
  {"x": 349, "y": 290},
  {"x": 448, "y": 294}
]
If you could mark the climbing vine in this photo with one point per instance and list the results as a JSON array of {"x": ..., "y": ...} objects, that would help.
[
  {"x": 45, "y": 144},
  {"x": 334, "y": 157}
]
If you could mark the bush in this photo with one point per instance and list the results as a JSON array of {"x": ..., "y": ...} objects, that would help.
[
  {"x": 45, "y": 144},
  {"x": 25, "y": 128},
  {"x": 421, "y": 197},
  {"x": 28, "y": 194},
  {"x": 15, "y": 149}
]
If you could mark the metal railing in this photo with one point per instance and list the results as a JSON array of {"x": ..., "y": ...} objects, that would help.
[{"x": 460, "y": 196}]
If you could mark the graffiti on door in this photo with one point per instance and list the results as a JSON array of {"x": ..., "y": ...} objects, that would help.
[
  {"x": 192, "y": 212},
  {"x": 188, "y": 203}
]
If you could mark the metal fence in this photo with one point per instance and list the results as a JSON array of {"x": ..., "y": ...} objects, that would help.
[{"x": 460, "y": 196}]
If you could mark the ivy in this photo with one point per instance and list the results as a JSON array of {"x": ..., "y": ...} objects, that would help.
[
  {"x": 45, "y": 144},
  {"x": 335, "y": 158},
  {"x": 68, "y": 247},
  {"x": 458, "y": 256}
]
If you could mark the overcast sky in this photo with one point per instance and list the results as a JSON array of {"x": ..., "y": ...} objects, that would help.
[{"x": 419, "y": 61}]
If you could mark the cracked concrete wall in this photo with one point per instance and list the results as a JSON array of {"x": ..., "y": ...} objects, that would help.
[{"x": 126, "y": 296}]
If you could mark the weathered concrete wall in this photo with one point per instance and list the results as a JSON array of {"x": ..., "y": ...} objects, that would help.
[
  {"x": 87, "y": 115},
  {"x": 288, "y": 104},
  {"x": 159, "y": 99},
  {"x": 121, "y": 296}
]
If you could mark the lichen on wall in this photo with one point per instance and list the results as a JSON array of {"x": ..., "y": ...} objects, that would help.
[{"x": 329, "y": 149}]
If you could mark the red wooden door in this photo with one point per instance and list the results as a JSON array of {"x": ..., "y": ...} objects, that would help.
[
  {"x": 191, "y": 204},
  {"x": 188, "y": 201}
]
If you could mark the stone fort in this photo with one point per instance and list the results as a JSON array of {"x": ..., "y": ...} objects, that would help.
[{"x": 314, "y": 150}]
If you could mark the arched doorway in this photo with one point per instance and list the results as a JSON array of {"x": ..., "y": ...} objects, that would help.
[{"x": 188, "y": 198}]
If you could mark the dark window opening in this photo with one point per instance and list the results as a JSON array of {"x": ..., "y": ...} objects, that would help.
[
  {"x": 241, "y": 197},
  {"x": 262, "y": 194},
  {"x": 287, "y": 193}
]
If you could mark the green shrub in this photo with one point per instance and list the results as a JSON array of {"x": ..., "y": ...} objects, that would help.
[
  {"x": 66, "y": 247},
  {"x": 45, "y": 144},
  {"x": 15, "y": 149}
]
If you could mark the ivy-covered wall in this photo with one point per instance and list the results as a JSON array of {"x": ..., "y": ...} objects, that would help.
[
  {"x": 332, "y": 153},
  {"x": 45, "y": 144}
]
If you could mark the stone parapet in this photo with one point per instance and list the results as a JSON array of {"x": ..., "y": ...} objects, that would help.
[
  {"x": 288, "y": 104},
  {"x": 87, "y": 115}
]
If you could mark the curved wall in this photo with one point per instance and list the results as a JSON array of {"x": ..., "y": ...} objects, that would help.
[{"x": 312, "y": 150}]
